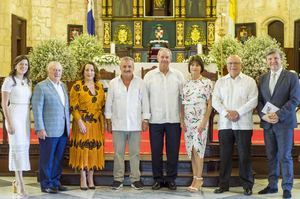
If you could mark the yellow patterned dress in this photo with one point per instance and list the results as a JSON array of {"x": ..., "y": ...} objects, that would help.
[{"x": 87, "y": 150}]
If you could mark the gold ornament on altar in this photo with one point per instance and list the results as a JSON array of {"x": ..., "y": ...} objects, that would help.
[
  {"x": 123, "y": 35},
  {"x": 107, "y": 28},
  {"x": 137, "y": 34},
  {"x": 179, "y": 34},
  {"x": 159, "y": 3},
  {"x": 159, "y": 32},
  {"x": 195, "y": 35},
  {"x": 210, "y": 33}
]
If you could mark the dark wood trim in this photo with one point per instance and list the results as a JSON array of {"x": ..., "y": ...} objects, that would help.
[
  {"x": 18, "y": 37},
  {"x": 297, "y": 46}
]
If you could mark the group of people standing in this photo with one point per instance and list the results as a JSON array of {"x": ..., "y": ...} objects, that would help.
[{"x": 163, "y": 102}]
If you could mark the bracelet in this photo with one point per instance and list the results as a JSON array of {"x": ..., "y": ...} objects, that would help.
[{"x": 145, "y": 120}]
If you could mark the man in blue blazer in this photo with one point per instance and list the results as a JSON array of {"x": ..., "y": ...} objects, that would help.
[
  {"x": 50, "y": 105},
  {"x": 280, "y": 88}
]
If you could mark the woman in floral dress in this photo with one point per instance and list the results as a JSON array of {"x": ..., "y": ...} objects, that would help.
[
  {"x": 196, "y": 108},
  {"x": 87, "y": 141}
]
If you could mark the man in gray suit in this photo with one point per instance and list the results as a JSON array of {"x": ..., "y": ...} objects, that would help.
[
  {"x": 50, "y": 105},
  {"x": 280, "y": 88}
]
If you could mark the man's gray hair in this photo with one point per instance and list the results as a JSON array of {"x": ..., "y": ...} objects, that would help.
[
  {"x": 127, "y": 59},
  {"x": 165, "y": 50},
  {"x": 53, "y": 63}
]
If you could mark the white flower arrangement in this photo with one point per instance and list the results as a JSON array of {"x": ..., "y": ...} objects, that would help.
[
  {"x": 254, "y": 55},
  {"x": 158, "y": 41},
  {"x": 107, "y": 59},
  {"x": 207, "y": 59}
]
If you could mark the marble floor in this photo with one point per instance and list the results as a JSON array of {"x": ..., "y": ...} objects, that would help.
[{"x": 128, "y": 193}]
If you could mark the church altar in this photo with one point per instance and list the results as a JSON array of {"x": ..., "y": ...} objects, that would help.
[{"x": 182, "y": 67}]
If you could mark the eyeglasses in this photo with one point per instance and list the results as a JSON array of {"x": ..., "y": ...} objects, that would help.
[{"x": 233, "y": 63}]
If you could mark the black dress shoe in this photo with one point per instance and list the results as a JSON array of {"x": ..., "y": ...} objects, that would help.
[
  {"x": 268, "y": 190},
  {"x": 84, "y": 188},
  {"x": 287, "y": 194},
  {"x": 220, "y": 190},
  {"x": 171, "y": 185},
  {"x": 49, "y": 190},
  {"x": 62, "y": 188},
  {"x": 247, "y": 192},
  {"x": 157, "y": 185}
]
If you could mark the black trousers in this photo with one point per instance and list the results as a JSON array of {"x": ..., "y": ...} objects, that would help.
[
  {"x": 172, "y": 131},
  {"x": 242, "y": 138}
]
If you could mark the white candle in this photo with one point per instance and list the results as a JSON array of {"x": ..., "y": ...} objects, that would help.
[
  {"x": 199, "y": 48},
  {"x": 112, "y": 48}
]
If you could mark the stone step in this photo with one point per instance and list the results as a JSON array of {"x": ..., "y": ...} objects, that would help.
[{"x": 105, "y": 178}]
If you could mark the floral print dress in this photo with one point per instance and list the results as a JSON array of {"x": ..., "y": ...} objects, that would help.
[{"x": 196, "y": 94}]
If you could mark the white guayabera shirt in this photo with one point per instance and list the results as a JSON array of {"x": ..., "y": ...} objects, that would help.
[
  {"x": 164, "y": 95},
  {"x": 239, "y": 94},
  {"x": 127, "y": 108}
]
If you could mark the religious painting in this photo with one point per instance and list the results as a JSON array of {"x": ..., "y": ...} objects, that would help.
[
  {"x": 122, "y": 8},
  {"x": 195, "y": 8},
  {"x": 73, "y": 31},
  {"x": 158, "y": 8},
  {"x": 244, "y": 31}
]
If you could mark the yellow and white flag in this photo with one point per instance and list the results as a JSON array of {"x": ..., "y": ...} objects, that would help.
[{"x": 231, "y": 17}]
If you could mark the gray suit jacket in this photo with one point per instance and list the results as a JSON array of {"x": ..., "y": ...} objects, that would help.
[
  {"x": 286, "y": 96},
  {"x": 49, "y": 113}
]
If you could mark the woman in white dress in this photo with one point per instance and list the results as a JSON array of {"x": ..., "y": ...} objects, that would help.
[
  {"x": 16, "y": 93},
  {"x": 196, "y": 108}
]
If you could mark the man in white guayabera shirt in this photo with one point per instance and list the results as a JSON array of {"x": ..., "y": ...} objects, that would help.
[
  {"x": 234, "y": 98},
  {"x": 164, "y": 87},
  {"x": 127, "y": 113}
]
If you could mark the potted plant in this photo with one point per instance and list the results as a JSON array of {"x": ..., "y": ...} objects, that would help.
[
  {"x": 84, "y": 48},
  {"x": 222, "y": 49},
  {"x": 52, "y": 50}
]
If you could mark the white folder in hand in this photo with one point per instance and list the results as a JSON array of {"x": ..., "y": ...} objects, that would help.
[{"x": 269, "y": 108}]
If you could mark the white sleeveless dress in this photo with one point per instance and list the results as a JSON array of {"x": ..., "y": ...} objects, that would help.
[{"x": 19, "y": 142}]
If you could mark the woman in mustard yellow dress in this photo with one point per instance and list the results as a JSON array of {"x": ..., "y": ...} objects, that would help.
[{"x": 87, "y": 140}]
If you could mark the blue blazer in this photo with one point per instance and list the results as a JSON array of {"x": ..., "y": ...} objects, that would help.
[
  {"x": 48, "y": 111},
  {"x": 286, "y": 96}
]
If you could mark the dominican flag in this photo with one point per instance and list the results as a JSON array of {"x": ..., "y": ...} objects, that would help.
[{"x": 90, "y": 18}]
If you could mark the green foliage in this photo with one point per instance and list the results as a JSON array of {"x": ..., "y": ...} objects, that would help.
[
  {"x": 52, "y": 50},
  {"x": 84, "y": 48},
  {"x": 254, "y": 55},
  {"x": 223, "y": 48}
]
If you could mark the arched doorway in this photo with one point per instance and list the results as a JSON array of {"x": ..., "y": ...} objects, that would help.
[
  {"x": 297, "y": 46},
  {"x": 276, "y": 30}
]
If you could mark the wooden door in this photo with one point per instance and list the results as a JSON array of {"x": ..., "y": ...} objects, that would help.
[
  {"x": 297, "y": 46},
  {"x": 276, "y": 30},
  {"x": 18, "y": 37}
]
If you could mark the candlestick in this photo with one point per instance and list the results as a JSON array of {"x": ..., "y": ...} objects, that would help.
[
  {"x": 112, "y": 48},
  {"x": 199, "y": 48}
]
